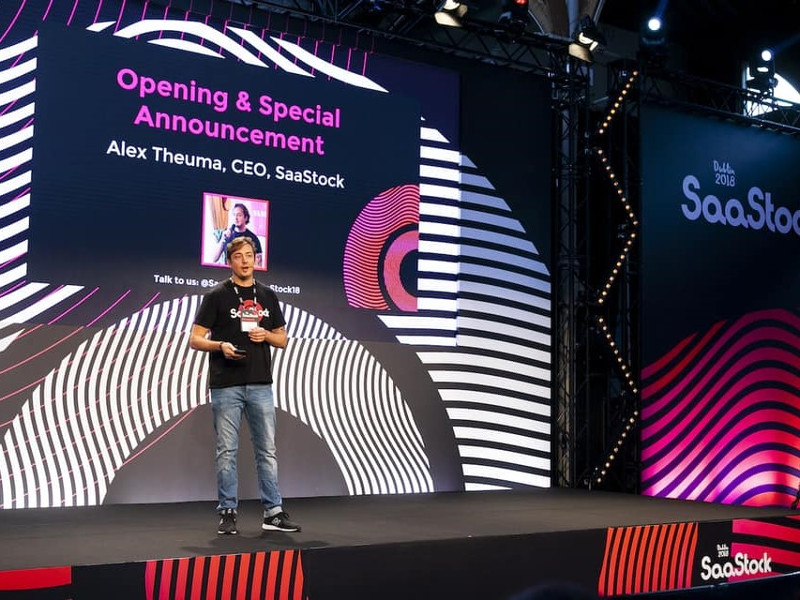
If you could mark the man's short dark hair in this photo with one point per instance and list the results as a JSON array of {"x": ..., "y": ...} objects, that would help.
[
  {"x": 237, "y": 243},
  {"x": 245, "y": 212}
]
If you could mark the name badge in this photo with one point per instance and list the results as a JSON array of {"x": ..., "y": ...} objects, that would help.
[{"x": 249, "y": 319}]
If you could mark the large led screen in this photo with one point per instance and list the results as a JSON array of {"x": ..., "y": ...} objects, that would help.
[
  {"x": 400, "y": 210},
  {"x": 721, "y": 321}
]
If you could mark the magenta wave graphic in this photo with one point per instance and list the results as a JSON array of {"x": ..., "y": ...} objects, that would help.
[
  {"x": 383, "y": 234},
  {"x": 721, "y": 414},
  {"x": 775, "y": 542}
]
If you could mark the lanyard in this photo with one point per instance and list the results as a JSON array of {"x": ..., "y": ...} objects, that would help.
[{"x": 241, "y": 300}]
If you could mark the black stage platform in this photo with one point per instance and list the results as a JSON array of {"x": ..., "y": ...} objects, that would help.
[{"x": 450, "y": 545}]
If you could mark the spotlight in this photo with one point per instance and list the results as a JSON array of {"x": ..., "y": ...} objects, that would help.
[
  {"x": 588, "y": 35},
  {"x": 762, "y": 72},
  {"x": 654, "y": 25},
  {"x": 587, "y": 39},
  {"x": 653, "y": 41},
  {"x": 580, "y": 52},
  {"x": 450, "y": 13}
]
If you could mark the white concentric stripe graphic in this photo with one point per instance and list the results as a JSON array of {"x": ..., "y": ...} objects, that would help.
[
  {"x": 429, "y": 134},
  {"x": 327, "y": 68},
  {"x": 500, "y": 365},
  {"x": 491, "y": 398},
  {"x": 20, "y": 294},
  {"x": 517, "y": 314},
  {"x": 476, "y": 181},
  {"x": 445, "y": 248},
  {"x": 17, "y": 115},
  {"x": 493, "y": 291},
  {"x": 426, "y": 340},
  {"x": 16, "y": 205},
  {"x": 347, "y": 399},
  {"x": 15, "y": 183},
  {"x": 413, "y": 322},
  {"x": 438, "y": 154},
  {"x": 270, "y": 52},
  {"x": 14, "y": 274},
  {"x": 123, "y": 383},
  {"x": 490, "y": 417},
  {"x": 524, "y": 353},
  {"x": 441, "y": 192},
  {"x": 499, "y": 383},
  {"x": 15, "y": 50},
  {"x": 54, "y": 298},
  {"x": 505, "y": 475},
  {"x": 493, "y": 395},
  {"x": 20, "y": 70},
  {"x": 17, "y": 93},
  {"x": 14, "y": 228},
  {"x": 499, "y": 328},
  {"x": 494, "y": 220},
  {"x": 504, "y": 456},
  {"x": 524, "y": 443},
  {"x": 485, "y": 200},
  {"x": 21, "y": 157},
  {"x": 201, "y": 30},
  {"x": 430, "y": 209},
  {"x": 88, "y": 430},
  {"x": 438, "y": 304},
  {"x": 185, "y": 45},
  {"x": 503, "y": 257},
  {"x": 302, "y": 324},
  {"x": 442, "y": 173},
  {"x": 500, "y": 239}
]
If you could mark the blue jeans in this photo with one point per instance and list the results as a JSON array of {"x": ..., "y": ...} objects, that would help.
[{"x": 257, "y": 404}]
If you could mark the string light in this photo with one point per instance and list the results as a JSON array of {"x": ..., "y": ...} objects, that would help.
[
  {"x": 630, "y": 423},
  {"x": 612, "y": 177},
  {"x": 614, "y": 107},
  {"x": 627, "y": 425}
]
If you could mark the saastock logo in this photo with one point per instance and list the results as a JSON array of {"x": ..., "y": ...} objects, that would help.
[
  {"x": 760, "y": 211},
  {"x": 741, "y": 565}
]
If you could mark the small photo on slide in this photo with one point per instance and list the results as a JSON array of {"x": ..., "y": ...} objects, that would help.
[{"x": 227, "y": 217}]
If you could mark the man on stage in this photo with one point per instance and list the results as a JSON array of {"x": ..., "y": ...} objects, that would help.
[{"x": 237, "y": 324}]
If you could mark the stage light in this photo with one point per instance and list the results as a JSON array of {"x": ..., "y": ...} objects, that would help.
[
  {"x": 587, "y": 39},
  {"x": 653, "y": 41},
  {"x": 450, "y": 13},
  {"x": 762, "y": 72},
  {"x": 588, "y": 35},
  {"x": 580, "y": 52},
  {"x": 766, "y": 60}
]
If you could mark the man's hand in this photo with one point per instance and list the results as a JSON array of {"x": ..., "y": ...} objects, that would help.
[
  {"x": 228, "y": 351},
  {"x": 258, "y": 335}
]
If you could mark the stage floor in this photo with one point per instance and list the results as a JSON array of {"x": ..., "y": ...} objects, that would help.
[{"x": 36, "y": 538}]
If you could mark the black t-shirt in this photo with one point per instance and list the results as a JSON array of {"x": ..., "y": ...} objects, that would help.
[{"x": 220, "y": 312}]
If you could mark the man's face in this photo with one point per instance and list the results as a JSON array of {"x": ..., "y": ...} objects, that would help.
[
  {"x": 239, "y": 219},
  {"x": 242, "y": 261}
]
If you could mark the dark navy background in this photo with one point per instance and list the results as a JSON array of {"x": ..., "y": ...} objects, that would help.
[{"x": 696, "y": 273}]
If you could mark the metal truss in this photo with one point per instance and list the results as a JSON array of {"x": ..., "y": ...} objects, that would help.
[
  {"x": 748, "y": 106},
  {"x": 410, "y": 21},
  {"x": 570, "y": 292}
]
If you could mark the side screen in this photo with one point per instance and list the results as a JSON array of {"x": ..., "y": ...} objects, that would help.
[{"x": 720, "y": 311}]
